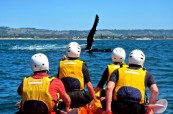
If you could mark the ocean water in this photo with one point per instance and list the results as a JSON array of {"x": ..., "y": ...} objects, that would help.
[{"x": 15, "y": 56}]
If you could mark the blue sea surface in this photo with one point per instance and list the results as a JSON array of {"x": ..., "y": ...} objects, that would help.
[{"x": 15, "y": 64}]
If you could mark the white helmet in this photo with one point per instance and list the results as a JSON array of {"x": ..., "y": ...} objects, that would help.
[
  {"x": 73, "y": 50},
  {"x": 137, "y": 57},
  {"x": 118, "y": 55},
  {"x": 39, "y": 62}
]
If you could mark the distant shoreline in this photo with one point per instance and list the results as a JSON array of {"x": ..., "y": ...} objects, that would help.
[
  {"x": 104, "y": 34},
  {"x": 144, "y": 38}
]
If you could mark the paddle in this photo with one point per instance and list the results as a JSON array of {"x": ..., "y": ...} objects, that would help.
[
  {"x": 73, "y": 111},
  {"x": 61, "y": 111},
  {"x": 159, "y": 107}
]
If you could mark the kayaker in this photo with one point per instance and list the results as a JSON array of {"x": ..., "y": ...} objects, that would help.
[
  {"x": 126, "y": 89},
  {"x": 118, "y": 58},
  {"x": 75, "y": 76},
  {"x": 40, "y": 92}
]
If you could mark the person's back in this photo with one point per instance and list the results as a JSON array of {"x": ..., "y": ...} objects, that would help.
[
  {"x": 39, "y": 92},
  {"x": 74, "y": 75},
  {"x": 129, "y": 84}
]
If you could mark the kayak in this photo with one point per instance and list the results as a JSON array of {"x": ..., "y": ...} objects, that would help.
[
  {"x": 95, "y": 108},
  {"x": 92, "y": 109}
]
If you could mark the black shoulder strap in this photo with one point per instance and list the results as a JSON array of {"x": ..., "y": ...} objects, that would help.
[
  {"x": 28, "y": 76},
  {"x": 50, "y": 77},
  {"x": 146, "y": 97}
]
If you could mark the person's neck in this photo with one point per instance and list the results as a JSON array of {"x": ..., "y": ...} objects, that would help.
[
  {"x": 118, "y": 63},
  {"x": 70, "y": 58},
  {"x": 42, "y": 72},
  {"x": 134, "y": 65}
]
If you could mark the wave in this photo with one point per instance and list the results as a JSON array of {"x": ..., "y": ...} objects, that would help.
[{"x": 39, "y": 47}]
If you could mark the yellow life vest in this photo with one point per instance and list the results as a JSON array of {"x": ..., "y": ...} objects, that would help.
[
  {"x": 113, "y": 67},
  {"x": 37, "y": 89},
  {"x": 72, "y": 68},
  {"x": 133, "y": 80}
]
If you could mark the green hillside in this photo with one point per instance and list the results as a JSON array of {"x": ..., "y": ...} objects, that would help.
[{"x": 7, "y": 32}]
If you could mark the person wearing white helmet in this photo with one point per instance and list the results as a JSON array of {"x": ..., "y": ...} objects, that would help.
[
  {"x": 75, "y": 76},
  {"x": 40, "y": 92},
  {"x": 118, "y": 59},
  {"x": 126, "y": 89}
]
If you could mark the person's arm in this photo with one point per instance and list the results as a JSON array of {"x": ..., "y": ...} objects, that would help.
[
  {"x": 96, "y": 89},
  {"x": 103, "y": 81},
  {"x": 58, "y": 73},
  {"x": 154, "y": 93},
  {"x": 110, "y": 86},
  {"x": 88, "y": 83},
  {"x": 91, "y": 91},
  {"x": 19, "y": 91},
  {"x": 153, "y": 96},
  {"x": 151, "y": 84},
  {"x": 57, "y": 86},
  {"x": 66, "y": 99},
  {"x": 20, "y": 88},
  {"x": 64, "y": 57},
  {"x": 109, "y": 90}
]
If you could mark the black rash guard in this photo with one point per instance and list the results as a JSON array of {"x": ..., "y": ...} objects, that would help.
[{"x": 104, "y": 79}]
